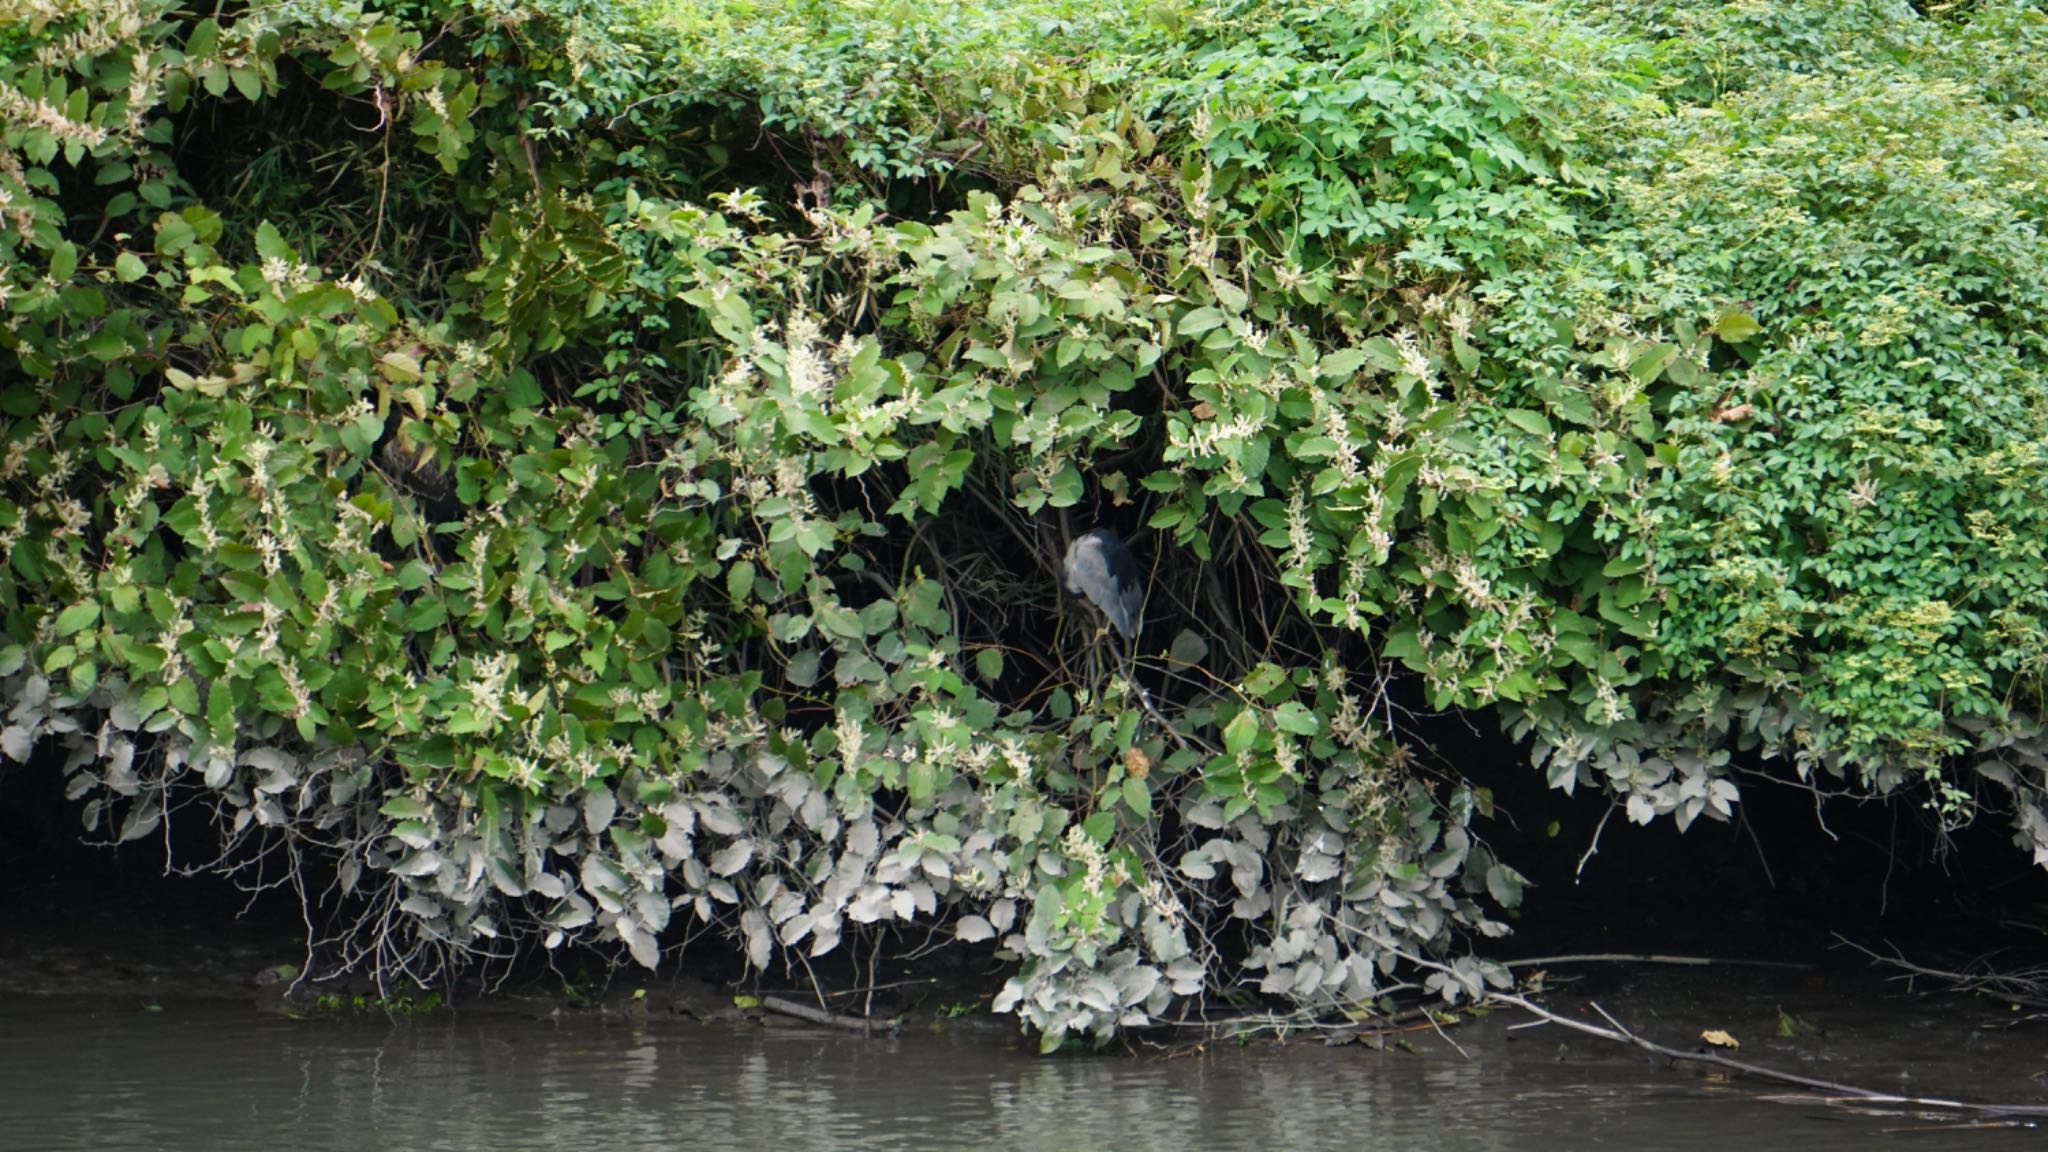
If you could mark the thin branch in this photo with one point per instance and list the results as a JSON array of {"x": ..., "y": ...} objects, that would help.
[
  {"x": 1648, "y": 958},
  {"x": 2023, "y": 986},
  {"x": 1594, "y": 847},
  {"x": 791, "y": 1008},
  {"x": 1620, "y": 1034}
]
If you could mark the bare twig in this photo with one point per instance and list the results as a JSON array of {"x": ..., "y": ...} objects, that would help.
[
  {"x": 1594, "y": 847},
  {"x": 2024, "y": 986},
  {"x": 1649, "y": 958},
  {"x": 805, "y": 1012},
  {"x": 1836, "y": 1092}
]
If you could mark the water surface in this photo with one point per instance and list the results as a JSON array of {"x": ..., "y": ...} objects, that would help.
[{"x": 219, "y": 1077}]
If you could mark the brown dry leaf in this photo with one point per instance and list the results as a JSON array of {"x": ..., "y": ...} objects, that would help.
[
  {"x": 1720, "y": 1039},
  {"x": 1137, "y": 763},
  {"x": 1734, "y": 412},
  {"x": 1203, "y": 411}
]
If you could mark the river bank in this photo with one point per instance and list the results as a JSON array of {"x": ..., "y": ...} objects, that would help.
[
  {"x": 121, "y": 968},
  {"x": 95, "y": 1073}
]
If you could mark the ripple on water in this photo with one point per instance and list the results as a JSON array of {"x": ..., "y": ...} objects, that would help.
[{"x": 220, "y": 1079}]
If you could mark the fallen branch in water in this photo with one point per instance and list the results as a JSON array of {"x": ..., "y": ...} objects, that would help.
[
  {"x": 805, "y": 1012},
  {"x": 2024, "y": 986},
  {"x": 1836, "y": 1093},
  {"x": 1649, "y": 958}
]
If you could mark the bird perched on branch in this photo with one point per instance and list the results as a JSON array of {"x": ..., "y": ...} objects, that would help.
[{"x": 1101, "y": 568}]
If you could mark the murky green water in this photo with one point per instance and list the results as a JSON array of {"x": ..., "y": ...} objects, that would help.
[{"x": 220, "y": 1077}]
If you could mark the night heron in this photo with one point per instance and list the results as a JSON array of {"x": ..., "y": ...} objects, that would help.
[{"x": 1099, "y": 567}]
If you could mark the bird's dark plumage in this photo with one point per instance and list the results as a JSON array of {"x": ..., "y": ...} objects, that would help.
[{"x": 1101, "y": 568}]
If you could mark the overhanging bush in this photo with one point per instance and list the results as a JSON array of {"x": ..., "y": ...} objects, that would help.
[{"x": 635, "y": 480}]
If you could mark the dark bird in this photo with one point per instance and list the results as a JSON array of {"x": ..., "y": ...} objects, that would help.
[{"x": 1101, "y": 568}]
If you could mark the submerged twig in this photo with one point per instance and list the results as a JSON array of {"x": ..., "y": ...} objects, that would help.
[
  {"x": 1837, "y": 1092},
  {"x": 805, "y": 1012},
  {"x": 1650, "y": 958},
  {"x": 2027, "y": 987},
  {"x": 1594, "y": 847}
]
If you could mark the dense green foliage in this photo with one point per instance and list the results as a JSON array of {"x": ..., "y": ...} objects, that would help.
[{"x": 556, "y": 463}]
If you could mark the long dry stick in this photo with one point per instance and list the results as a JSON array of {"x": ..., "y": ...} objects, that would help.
[
  {"x": 791, "y": 1008},
  {"x": 1837, "y": 1091},
  {"x": 2024, "y": 986},
  {"x": 1650, "y": 958}
]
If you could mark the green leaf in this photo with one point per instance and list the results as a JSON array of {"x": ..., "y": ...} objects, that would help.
[
  {"x": 270, "y": 243},
  {"x": 1504, "y": 884},
  {"x": 739, "y": 580},
  {"x": 1200, "y": 320},
  {"x": 1736, "y": 326},
  {"x": 1402, "y": 644},
  {"x": 1647, "y": 366},
  {"x": 1139, "y": 796},
  {"x": 1295, "y": 717},
  {"x": 78, "y": 617},
  {"x": 184, "y": 697},
  {"x": 1341, "y": 364},
  {"x": 1533, "y": 423},
  {"x": 220, "y": 713},
  {"x": 205, "y": 37},
  {"x": 1241, "y": 732},
  {"x": 406, "y": 808},
  {"x": 989, "y": 663},
  {"x": 1099, "y": 827}
]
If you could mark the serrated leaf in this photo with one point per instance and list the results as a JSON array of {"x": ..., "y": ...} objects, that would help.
[
  {"x": 1295, "y": 717},
  {"x": 599, "y": 806},
  {"x": 1736, "y": 326},
  {"x": 1138, "y": 795},
  {"x": 1533, "y": 423},
  {"x": 739, "y": 580},
  {"x": 220, "y": 714},
  {"x": 1504, "y": 884},
  {"x": 1199, "y": 320},
  {"x": 732, "y": 857},
  {"x": 1099, "y": 827},
  {"x": 16, "y": 742},
  {"x": 1240, "y": 733},
  {"x": 406, "y": 808},
  {"x": 1188, "y": 648},
  {"x": 1652, "y": 362},
  {"x": 1341, "y": 363},
  {"x": 425, "y": 862},
  {"x": 78, "y": 617},
  {"x": 205, "y": 36}
]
